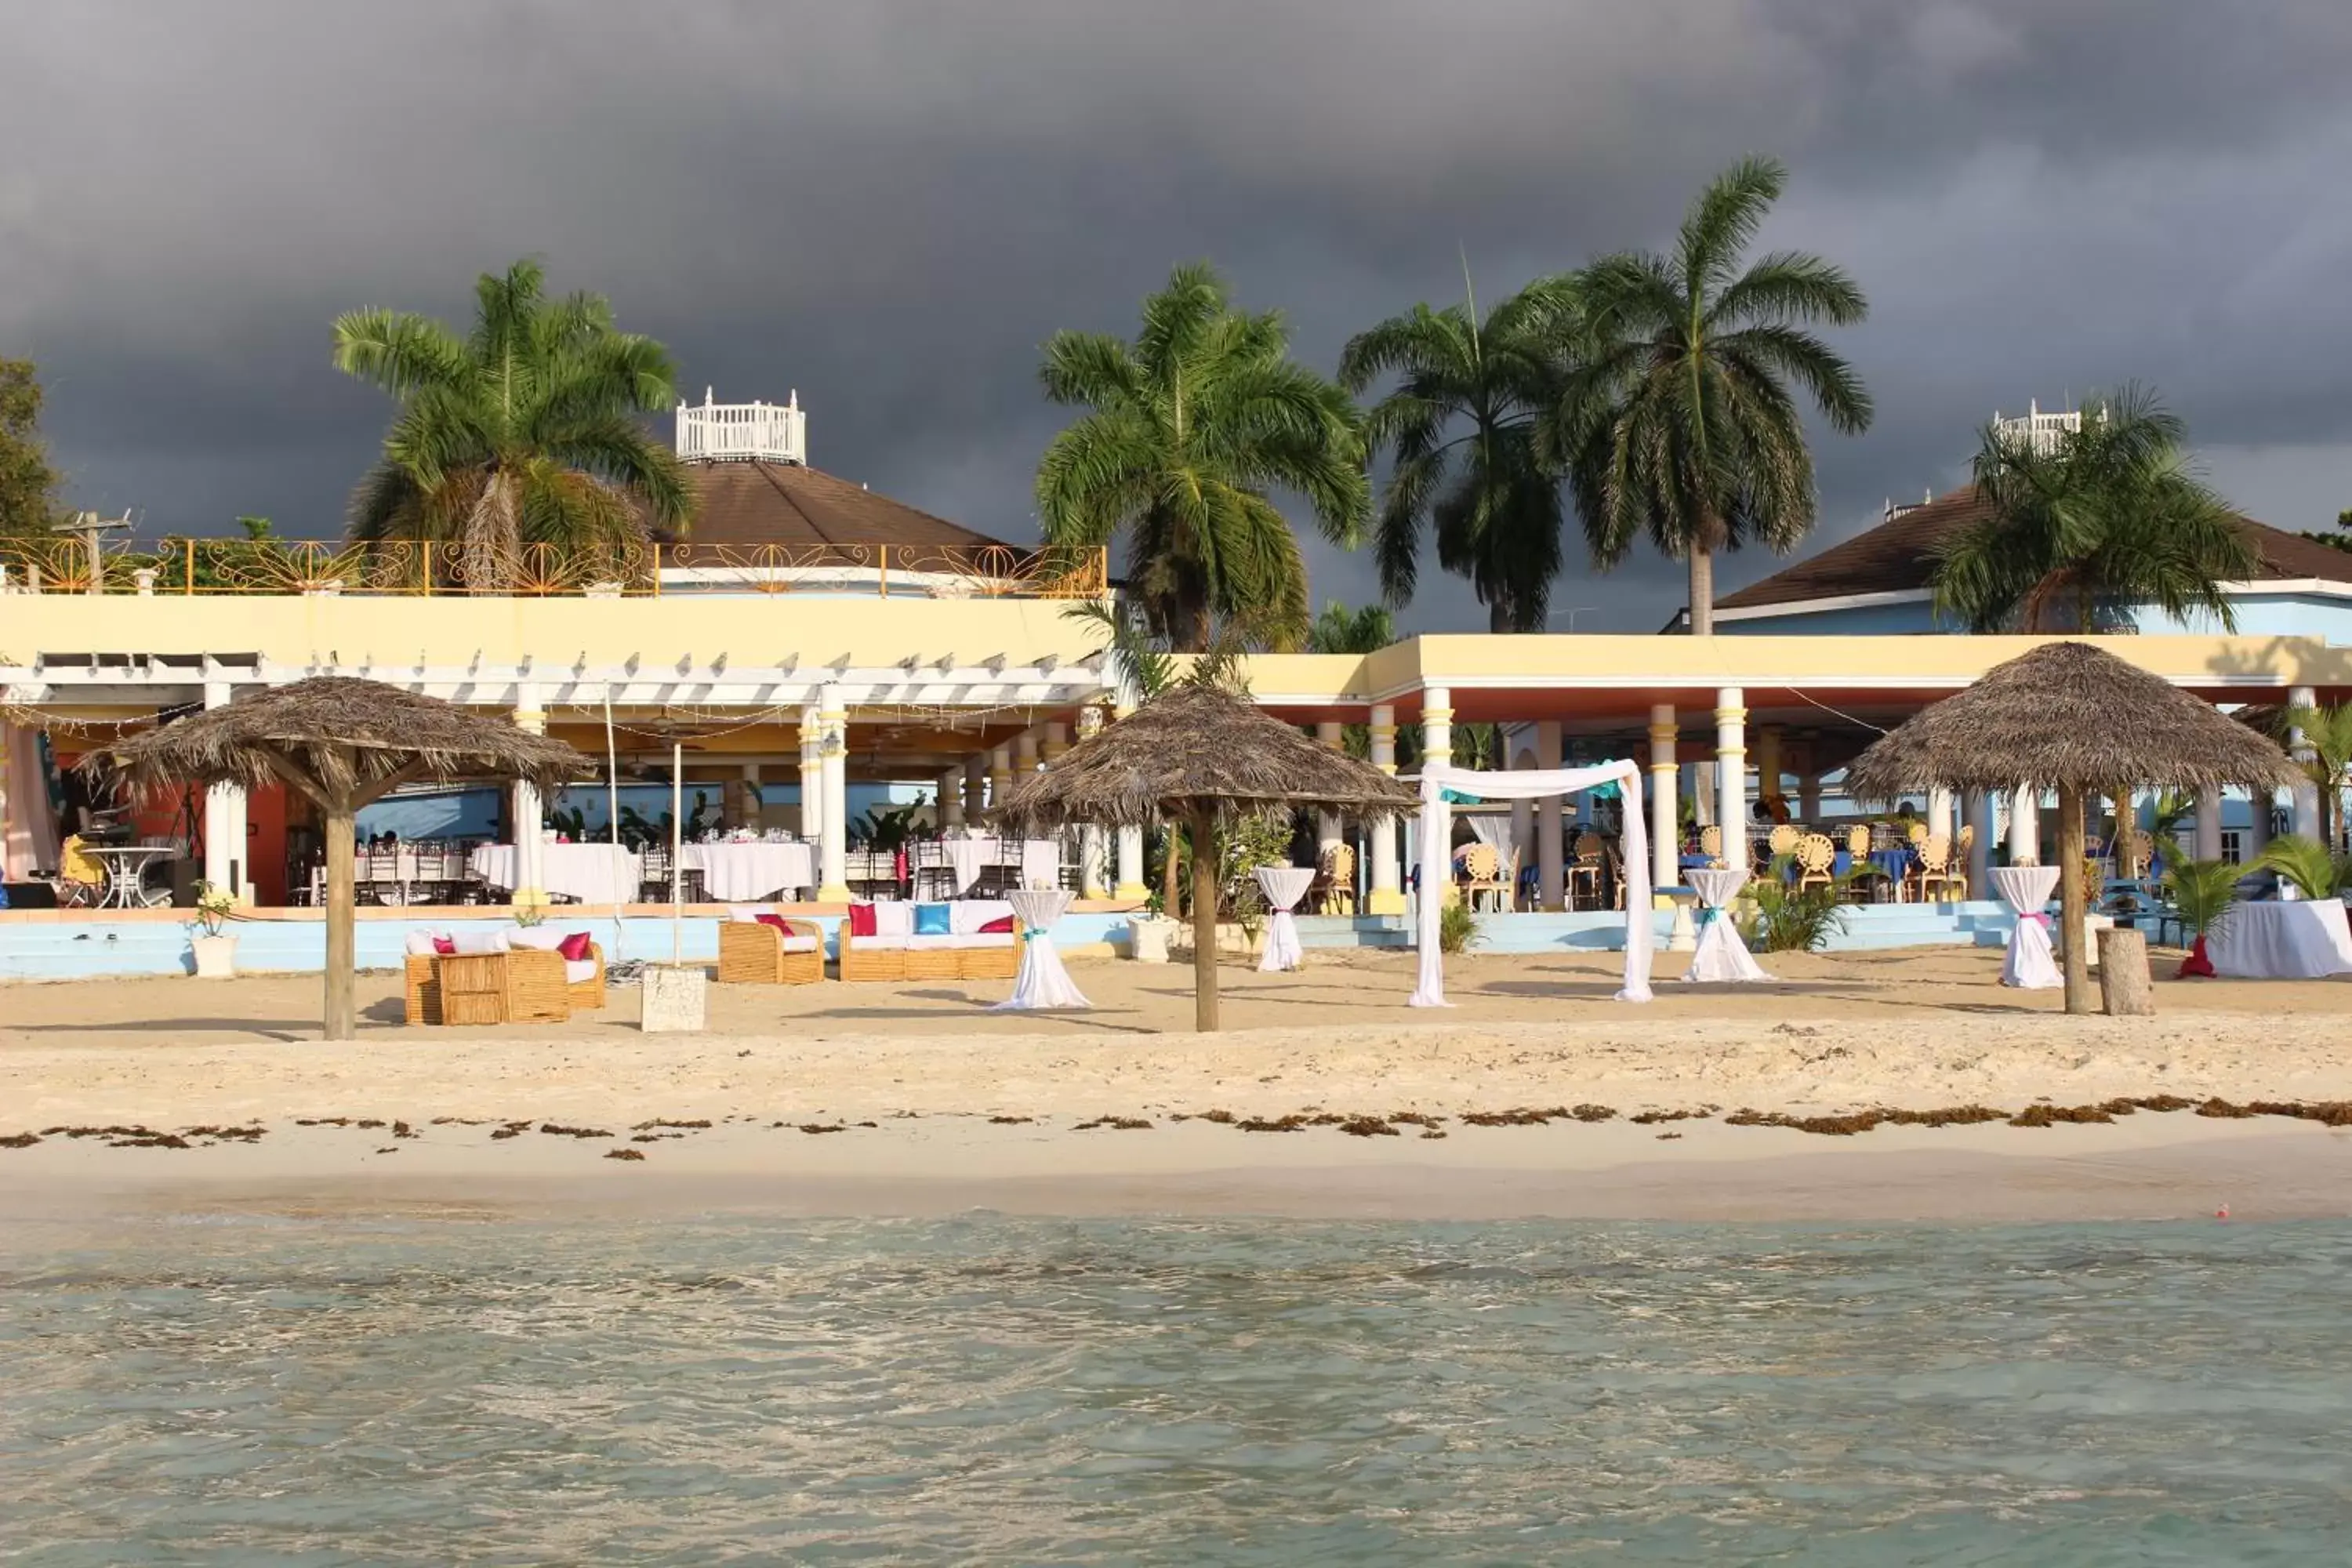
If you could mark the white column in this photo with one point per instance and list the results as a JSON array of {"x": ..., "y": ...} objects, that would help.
[
  {"x": 812, "y": 774},
  {"x": 1094, "y": 840},
  {"x": 1940, "y": 804},
  {"x": 950, "y": 806},
  {"x": 1550, "y": 860},
  {"x": 1731, "y": 770},
  {"x": 2025, "y": 826},
  {"x": 833, "y": 729},
  {"x": 1130, "y": 874},
  {"x": 224, "y": 844},
  {"x": 1024, "y": 752},
  {"x": 1000, "y": 774},
  {"x": 744, "y": 809},
  {"x": 1979, "y": 810},
  {"x": 2208, "y": 836},
  {"x": 1438, "y": 746},
  {"x": 1058, "y": 741},
  {"x": 1665, "y": 870},
  {"x": 1808, "y": 799},
  {"x": 2307, "y": 793},
  {"x": 1523, "y": 820},
  {"x": 1386, "y": 894},
  {"x": 1768, "y": 762},
  {"x": 975, "y": 787},
  {"x": 1329, "y": 832},
  {"x": 531, "y": 867}
]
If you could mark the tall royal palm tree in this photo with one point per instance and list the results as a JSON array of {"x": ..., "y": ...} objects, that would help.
[
  {"x": 2088, "y": 525},
  {"x": 1461, "y": 429},
  {"x": 523, "y": 432},
  {"x": 1339, "y": 629},
  {"x": 1187, "y": 432},
  {"x": 1682, "y": 422}
]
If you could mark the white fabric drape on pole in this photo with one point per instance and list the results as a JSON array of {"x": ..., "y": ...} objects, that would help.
[
  {"x": 1042, "y": 981},
  {"x": 2028, "y": 964},
  {"x": 1283, "y": 886},
  {"x": 1492, "y": 828},
  {"x": 1435, "y": 875}
]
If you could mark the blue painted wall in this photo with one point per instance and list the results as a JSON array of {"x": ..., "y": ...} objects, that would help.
[{"x": 2258, "y": 615}]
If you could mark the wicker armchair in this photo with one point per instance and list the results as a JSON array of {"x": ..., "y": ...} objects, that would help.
[
  {"x": 754, "y": 952},
  {"x": 1334, "y": 892}
]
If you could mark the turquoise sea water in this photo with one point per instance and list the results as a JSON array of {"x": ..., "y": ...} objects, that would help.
[{"x": 988, "y": 1390}]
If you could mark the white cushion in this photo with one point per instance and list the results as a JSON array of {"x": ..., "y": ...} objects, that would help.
[
  {"x": 985, "y": 939},
  {"x": 747, "y": 914},
  {"x": 880, "y": 944},
  {"x": 966, "y": 916},
  {"x": 420, "y": 944},
  {"x": 536, "y": 939},
  {"x": 799, "y": 944},
  {"x": 579, "y": 971},
  {"x": 481, "y": 944},
  {"x": 894, "y": 916},
  {"x": 931, "y": 943}
]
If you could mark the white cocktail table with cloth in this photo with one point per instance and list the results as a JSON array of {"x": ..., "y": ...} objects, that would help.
[
  {"x": 1042, "y": 981},
  {"x": 2026, "y": 890},
  {"x": 2305, "y": 940},
  {"x": 1721, "y": 955},
  {"x": 736, "y": 873},
  {"x": 1283, "y": 886},
  {"x": 586, "y": 873}
]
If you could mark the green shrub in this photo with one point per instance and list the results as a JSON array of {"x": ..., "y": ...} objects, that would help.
[
  {"x": 1457, "y": 927},
  {"x": 2307, "y": 863},
  {"x": 2203, "y": 892},
  {"x": 1791, "y": 919}
]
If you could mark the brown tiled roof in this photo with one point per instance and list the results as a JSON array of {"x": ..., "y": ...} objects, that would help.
[
  {"x": 786, "y": 504},
  {"x": 1899, "y": 554}
]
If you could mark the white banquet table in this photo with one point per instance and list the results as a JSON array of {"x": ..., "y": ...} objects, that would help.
[
  {"x": 1283, "y": 886},
  {"x": 1041, "y": 860},
  {"x": 1721, "y": 955},
  {"x": 1042, "y": 981},
  {"x": 2026, "y": 890},
  {"x": 734, "y": 873},
  {"x": 587, "y": 873},
  {"x": 2300, "y": 940}
]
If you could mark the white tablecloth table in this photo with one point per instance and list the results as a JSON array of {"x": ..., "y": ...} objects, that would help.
[
  {"x": 586, "y": 873},
  {"x": 1283, "y": 886},
  {"x": 2026, "y": 890},
  {"x": 746, "y": 873},
  {"x": 1041, "y": 860},
  {"x": 2303, "y": 940},
  {"x": 1042, "y": 981},
  {"x": 1721, "y": 955}
]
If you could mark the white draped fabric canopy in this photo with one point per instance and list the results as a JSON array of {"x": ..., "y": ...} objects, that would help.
[
  {"x": 1721, "y": 954},
  {"x": 1436, "y": 872},
  {"x": 1283, "y": 886}
]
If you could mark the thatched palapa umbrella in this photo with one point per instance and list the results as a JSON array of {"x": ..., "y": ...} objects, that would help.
[
  {"x": 342, "y": 744},
  {"x": 2070, "y": 718},
  {"x": 1198, "y": 755}
]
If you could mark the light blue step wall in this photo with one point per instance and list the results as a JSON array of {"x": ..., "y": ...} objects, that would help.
[{"x": 81, "y": 950}]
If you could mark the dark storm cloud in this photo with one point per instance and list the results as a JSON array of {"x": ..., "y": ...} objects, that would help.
[{"x": 889, "y": 206}]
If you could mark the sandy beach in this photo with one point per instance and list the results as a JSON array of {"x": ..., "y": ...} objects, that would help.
[{"x": 1327, "y": 1096}]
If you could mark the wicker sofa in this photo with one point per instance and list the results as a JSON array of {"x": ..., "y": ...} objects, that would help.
[
  {"x": 752, "y": 951},
  {"x": 531, "y": 978},
  {"x": 896, "y": 953}
]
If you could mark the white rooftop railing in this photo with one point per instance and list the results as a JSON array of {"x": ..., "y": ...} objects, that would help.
[{"x": 742, "y": 432}]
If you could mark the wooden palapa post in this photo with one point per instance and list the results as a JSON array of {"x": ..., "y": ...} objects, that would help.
[
  {"x": 1202, "y": 828},
  {"x": 2071, "y": 910}
]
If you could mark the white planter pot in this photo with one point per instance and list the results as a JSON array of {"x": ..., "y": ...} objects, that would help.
[
  {"x": 1146, "y": 938},
  {"x": 671, "y": 998},
  {"x": 216, "y": 956}
]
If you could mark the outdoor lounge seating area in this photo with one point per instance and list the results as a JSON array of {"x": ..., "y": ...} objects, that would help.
[{"x": 530, "y": 975}]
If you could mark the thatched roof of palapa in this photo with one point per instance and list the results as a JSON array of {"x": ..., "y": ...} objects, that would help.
[
  {"x": 2068, "y": 716},
  {"x": 345, "y": 735},
  {"x": 1194, "y": 746}
]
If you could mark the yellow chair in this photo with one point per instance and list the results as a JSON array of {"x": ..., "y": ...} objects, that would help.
[
  {"x": 83, "y": 877},
  {"x": 1334, "y": 892},
  {"x": 1483, "y": 873},
  {"x": 1815, "y": 856}
]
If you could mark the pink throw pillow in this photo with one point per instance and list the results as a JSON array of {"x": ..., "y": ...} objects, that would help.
[
  {"x": 776, "y": 921},
  {"x": 861, "y": 920},
  {"x": 574, "y": 948},
  {"x": 445, "y": 947},
  {"x": 1001, "y": 926}
]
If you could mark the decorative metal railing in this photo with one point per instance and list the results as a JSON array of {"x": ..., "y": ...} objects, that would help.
[{"x": 425, "y": 568}]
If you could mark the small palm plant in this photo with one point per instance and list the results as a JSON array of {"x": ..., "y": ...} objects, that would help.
[
  {"x": 2307, "y": 863},
  {"x": 1790, "y": 919},
  {"x": 2203, "y": 893}
]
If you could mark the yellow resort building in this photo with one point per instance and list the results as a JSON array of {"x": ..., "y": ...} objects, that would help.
[{"x": 815, "y": 639}]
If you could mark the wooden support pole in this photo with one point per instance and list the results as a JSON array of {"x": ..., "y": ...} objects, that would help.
[
  {"x": 2071, "y": 909},
  {"x": 340, "y": 824},
  {"x": 1202, "y": 827}
]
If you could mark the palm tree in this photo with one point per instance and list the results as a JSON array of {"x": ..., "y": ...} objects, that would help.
[
  {"x": 1461, "y": 429},
  {"x": 1678, "y": 422},
  {"x": 523, "y": 432},
  {"x": 1186, "y": 431},
  {"x": 2086, "y": 527},
  {"x": 1339, "y": 629},
  {"x": 2321, "y": 739}
]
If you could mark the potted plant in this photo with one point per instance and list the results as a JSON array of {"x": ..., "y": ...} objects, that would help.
[
  {"x": 1148, "y": 932},
  {"x": 2203, "y": 893},
  {"x": 216, "y": 952},
  {"x": 2305, "y": 868}
]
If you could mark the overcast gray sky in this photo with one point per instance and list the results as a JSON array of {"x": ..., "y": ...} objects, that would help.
[{"x": 889, "y": 206}]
